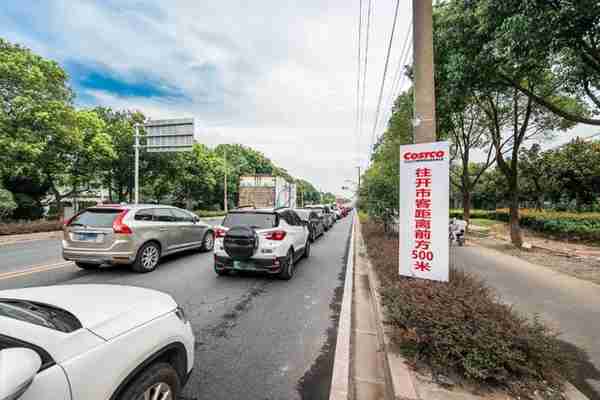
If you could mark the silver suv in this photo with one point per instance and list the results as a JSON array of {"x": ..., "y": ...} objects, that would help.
[{"x": 138, "y": 235}]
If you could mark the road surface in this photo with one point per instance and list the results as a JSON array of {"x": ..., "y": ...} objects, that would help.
[
  {"x": 570, "y": 305},
  {"x": 257, "y": 337}
]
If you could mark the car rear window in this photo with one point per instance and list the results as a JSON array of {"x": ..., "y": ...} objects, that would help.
[
  {"x": 304, "y": 214},
  {"x": 102, "y": 218},
  {"x": 255, "y": 220}
]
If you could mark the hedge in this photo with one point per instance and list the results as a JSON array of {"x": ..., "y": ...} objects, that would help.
[
  {"x": 462, "y": 331},
  {"x": 209, "y": 214},
  {"x": 566, "y": 225},
  {"x": 42, "y": 225}
]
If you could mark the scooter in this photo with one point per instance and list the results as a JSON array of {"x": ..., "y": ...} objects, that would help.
[{"x": 457, "y": 230}]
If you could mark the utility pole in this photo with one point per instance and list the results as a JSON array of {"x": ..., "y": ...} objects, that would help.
[
  {"x": 425, "y": 122},
  {"x": 225, "y": 205},
  {"x": 137, "y": 164}
]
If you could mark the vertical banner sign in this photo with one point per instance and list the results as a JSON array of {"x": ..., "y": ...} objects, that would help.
[{"x": 424, "y": 203}]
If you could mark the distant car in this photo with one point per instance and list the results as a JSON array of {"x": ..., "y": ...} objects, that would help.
[
  {"x": 315, "y": 221},
  {"x": 266, "y": 240},
  {"x": 93, "y": 342},
  {"x": 138, "y": 235},
  {"x": 328, "y": 215}
]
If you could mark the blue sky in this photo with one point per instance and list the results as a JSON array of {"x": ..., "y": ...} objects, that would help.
[{"x": 279, "y": 76}]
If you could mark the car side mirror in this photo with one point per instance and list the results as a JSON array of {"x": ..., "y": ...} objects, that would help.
[
  {"x": 196, "y": 220},
  {"x": 18, "y": 368}
]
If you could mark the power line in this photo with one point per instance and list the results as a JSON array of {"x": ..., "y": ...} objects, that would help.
[
  {"x": 387, "y": 61},
  {"x": 364, "y": 86},
  {"x": 398, "y": 75},
  {"x": 358, "y": 75}
]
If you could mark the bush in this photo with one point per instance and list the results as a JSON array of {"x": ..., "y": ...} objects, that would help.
[
  {"x": 564, "y": 225},
  {"x": 460, "y": 329},
  {"x": 7, "y": 203},
  {"x": 209, "y": 214},
  {"x": 15, "y": 228}
]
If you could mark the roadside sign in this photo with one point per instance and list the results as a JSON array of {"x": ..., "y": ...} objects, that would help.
[
  {"x": 167, "y": 135},
  {"x": 424, "y": 207}
]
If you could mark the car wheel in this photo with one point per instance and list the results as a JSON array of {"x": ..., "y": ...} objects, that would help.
[
  {"x": 287, "y": 272},
  {"x": 159, "y": 381},
  {"x": 306, "y": 253},
  {"x": 208, "y": 242},
  {"x": 147, "y": 258},
  {"x": 83, "y": 265}
]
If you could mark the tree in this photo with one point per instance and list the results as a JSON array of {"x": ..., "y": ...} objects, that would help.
[
  {"x": 34, "y": 97},
  {"x": 511, "y": 117},
  {"x": 194, "y": 175},
  {"x": 306, "y": 193},
  {"x": 7, "y": 203}
]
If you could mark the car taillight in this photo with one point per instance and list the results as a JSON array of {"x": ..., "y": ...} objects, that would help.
[
  {"x": 276, "y": 235},
  {"x": 119, "y": 226},
  {"x": 220, "y": 233}
]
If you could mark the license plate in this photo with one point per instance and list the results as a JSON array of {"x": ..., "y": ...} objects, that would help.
[
  {"x": 242, "y": 265},
  {"x": 88, "y": 237}
]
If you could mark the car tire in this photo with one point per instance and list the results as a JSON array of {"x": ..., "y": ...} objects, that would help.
[
  {"x": 147, "y": 258},
  {"x": 208, "y": 241},
  {"x": 287, "y": 272},
  {"x": 159, "y": 376},
  {"x": 306, "y": 252},
  {"x": 87, "y": 266}
]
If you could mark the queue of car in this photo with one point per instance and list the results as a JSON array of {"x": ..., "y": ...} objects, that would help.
[{"x": 54, "y": 338}]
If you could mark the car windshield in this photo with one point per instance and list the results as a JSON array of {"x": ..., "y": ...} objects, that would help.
[
  {"x": 255, "y": 220},
  {"x": 101, "y": 218},
  {"x": 39, "y": 314}
]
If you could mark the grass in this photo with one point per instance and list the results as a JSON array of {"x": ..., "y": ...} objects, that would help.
[{"x": 487, "y": 223}]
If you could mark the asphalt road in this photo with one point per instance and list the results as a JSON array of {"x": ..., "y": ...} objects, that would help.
[
  {"x": 256, "y": 337},
  {"x": 570, "y": 305}
]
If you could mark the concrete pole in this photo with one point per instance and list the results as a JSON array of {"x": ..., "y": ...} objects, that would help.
[
  {"x": 425, "y": 122},
  {"x": 225, "y": 202},
  {"x": 137, "y": 164}
]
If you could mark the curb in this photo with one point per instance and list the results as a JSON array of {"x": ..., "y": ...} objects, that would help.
[
  {"x": 340, "y": 379},
  {"x": 399, "y": 380}
]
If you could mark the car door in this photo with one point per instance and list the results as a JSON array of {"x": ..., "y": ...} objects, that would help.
[
  {"x": 166, "y": 228},
  {"x": 301, "y": 230},
  {"x": 191, "y": 232}
]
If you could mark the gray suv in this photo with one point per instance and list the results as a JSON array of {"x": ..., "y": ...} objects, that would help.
[{"x": 138, "y": 235}]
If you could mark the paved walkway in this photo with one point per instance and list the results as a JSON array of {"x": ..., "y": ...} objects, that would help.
[{"x": 569, "y": 304}]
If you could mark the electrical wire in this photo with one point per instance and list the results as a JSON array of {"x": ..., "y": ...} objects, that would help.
[
  {"x": 385, "y": 68},
  {"x": 364, "y": 71}
]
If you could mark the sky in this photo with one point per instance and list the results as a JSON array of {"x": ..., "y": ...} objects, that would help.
[{"x": 278, "y": 76}]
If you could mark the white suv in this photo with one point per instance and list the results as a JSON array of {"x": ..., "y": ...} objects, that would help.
[
  {"x": 268, "y": 240},
  {"x": 92, "y": 342}
]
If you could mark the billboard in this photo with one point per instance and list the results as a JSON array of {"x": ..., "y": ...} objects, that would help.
[
  {"x": 257, "y": 181},
  {"x": 424, "y": 207},
  {"x": 169, "y": 135}
]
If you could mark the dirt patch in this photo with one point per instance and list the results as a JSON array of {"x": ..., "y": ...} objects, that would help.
[{"x": 586, "y": 268}]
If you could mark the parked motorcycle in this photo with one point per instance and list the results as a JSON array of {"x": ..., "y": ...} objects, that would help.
[{"x": 457, "y": 229}]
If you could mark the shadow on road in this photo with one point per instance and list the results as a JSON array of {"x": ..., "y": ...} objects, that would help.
[{"x": 583, "y": 370}]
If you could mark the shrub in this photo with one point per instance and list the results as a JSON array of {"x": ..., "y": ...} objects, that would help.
[
  {"x": 565, "y": 225},
  {"x": 7, "y": 203},
  {"x": 209, "y": 214},
  {"x": 460, "y": 329},
  {"x": 15, "y": 228}
]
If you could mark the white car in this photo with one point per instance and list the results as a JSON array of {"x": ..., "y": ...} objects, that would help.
[
  {"x": 92, "y": 342},
  {"x": 267, "y": 240}
]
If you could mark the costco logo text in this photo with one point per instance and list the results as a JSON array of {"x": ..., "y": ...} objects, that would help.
[{"x": 425, "y": 156}]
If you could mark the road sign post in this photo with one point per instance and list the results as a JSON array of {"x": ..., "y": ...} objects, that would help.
[{"x": 167, "y": 135}]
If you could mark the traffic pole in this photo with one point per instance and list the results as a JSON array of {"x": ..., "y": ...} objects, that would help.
[
  {"x": 136, "y": 146},
  {"x": 424, "y": 83},
  {"x": 225, "y": 205}
]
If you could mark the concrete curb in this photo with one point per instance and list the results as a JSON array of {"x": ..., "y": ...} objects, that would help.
[
  {"x": 340, "y": 380},
  {"x": 399, "y": 379}
]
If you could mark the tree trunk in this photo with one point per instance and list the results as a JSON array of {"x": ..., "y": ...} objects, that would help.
[
  {"x": 466, "y": 207},
  {"x": 516, "y": 236},
  {"x": 57, "y": 202}
]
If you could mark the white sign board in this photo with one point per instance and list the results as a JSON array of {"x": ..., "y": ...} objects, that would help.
[
  {"x": 257, "y": 181},
  {"x": 169, "y": 135},
  {"x": 424, "y": 203}
]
